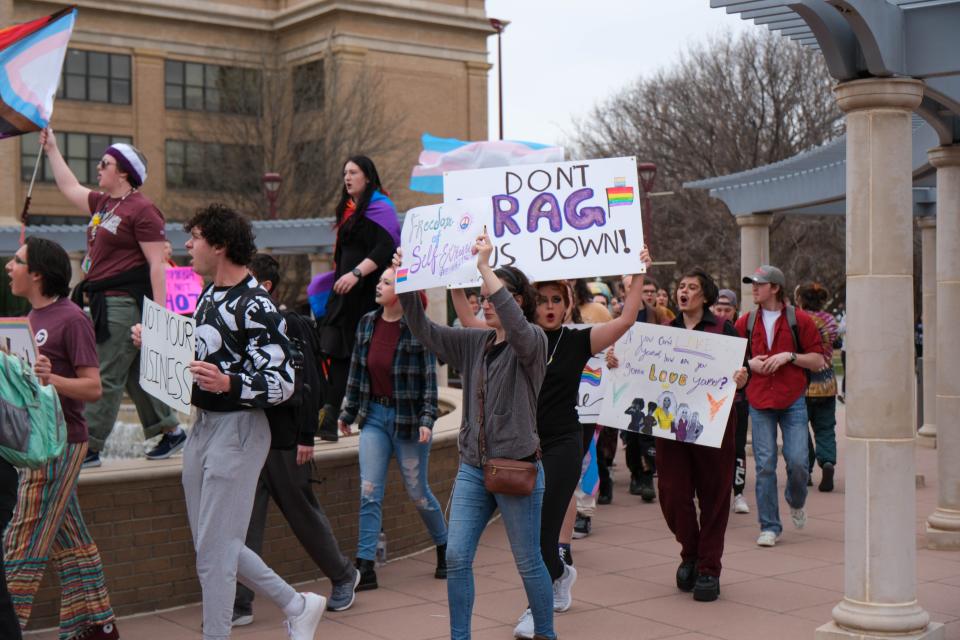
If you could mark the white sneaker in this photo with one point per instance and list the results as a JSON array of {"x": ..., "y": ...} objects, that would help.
[
  {"x": 768, "y": 538},
  {"x": 304, "y": 626},
  {"x": 799, "y": 517},
  {"x": 740, "y": 504},
  {"x": 562, "y": 596},
  {"x": 524, "y": 628}
]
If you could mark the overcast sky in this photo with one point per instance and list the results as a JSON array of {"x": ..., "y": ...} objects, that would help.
[{"x": 562, "y": 56}]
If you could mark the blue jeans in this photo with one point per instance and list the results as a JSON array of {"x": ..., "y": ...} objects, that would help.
[
  {"x": 378, "y": 442},
  {"x": 793, "y": 426},
  {"x": 472, "y": 508}
]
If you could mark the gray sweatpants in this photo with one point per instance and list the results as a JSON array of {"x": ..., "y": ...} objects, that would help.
[{"x": 221, "y": 464}]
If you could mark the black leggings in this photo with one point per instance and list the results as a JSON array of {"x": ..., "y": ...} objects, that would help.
[
  {"x": 740, "y": 448},
  {"x": 562, "y": 459}
]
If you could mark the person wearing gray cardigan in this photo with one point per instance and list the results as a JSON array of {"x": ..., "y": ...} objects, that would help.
[{"x": 503, "y": 368}]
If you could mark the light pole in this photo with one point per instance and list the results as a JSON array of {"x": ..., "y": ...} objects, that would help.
[
  {"x": 499, "y": 26},
  {"x": 647, "y": 172},
  {"x": 271, "y": 184}
]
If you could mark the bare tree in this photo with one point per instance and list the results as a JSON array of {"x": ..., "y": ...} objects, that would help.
[{"x": 728, "y": 105}]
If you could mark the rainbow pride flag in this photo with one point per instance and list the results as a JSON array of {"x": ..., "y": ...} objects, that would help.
[
  {"x": 591, "y": 376},
  {"x": 619, "y": 194},
  {"x": 31, "y": 59}
]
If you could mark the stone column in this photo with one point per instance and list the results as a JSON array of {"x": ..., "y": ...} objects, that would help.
[
  {"x": 754, "y": 250},
  {"x": 927, "y": 436},
  {"x": 943, "y": 525},
  {"x": 880, "y": 590}
]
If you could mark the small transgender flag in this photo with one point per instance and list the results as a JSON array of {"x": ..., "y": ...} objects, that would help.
[
  {"x": 590, "y": 473},
  {"x": 619, "y": 194},
  {"x": 449, "y": 154}
]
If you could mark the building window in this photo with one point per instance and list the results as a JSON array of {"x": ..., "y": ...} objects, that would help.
[
  {"x": 308, "y": 85},
  {"x": 211, "y": 166},
  {"x": 95, "y": 77},
  {"x": 195, "y": 86},
  {"x": 82, "y": 151}
]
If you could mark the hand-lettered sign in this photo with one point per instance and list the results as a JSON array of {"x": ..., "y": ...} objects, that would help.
[
  {"x": 673, "y": 383},
  {"x": 16, "y": 338},
  {"x": 184, "y": 286},
  {"x": 559, "y": 220},
  {"x": 166, "y": 352},
  {"x": 437, "y": 242},
  {"x": 594, "y": 385}
]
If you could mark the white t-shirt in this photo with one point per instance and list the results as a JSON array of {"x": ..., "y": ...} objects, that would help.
[{"x": 769, "y": 321}]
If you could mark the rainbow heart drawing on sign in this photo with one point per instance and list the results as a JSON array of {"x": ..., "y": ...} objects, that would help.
[
  {"x": 619, "y": 194},
  {"x": 591, "y": 376},
  {"x": 465, "y": 222},
  {"x": 402, "y": 275}
]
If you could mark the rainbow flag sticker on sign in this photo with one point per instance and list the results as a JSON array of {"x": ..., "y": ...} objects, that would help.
[
  {"x": 619, "y": 194},
  {"x": 402, "y": 275},
  {"x": 591, "y": 376}
]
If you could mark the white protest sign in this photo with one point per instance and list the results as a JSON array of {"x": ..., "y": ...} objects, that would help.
[
  {"x": 594, "y": 384},
  {"x": 16, "y": 338},
  {"x": 673, "y": 383},
  {"x": 165, "y": 355},
  {"x": 559, "y": 220},
  {"x": 437, "y": 241}
]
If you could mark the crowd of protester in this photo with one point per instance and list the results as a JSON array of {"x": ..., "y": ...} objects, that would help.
[{"x": 268, "y": 382}]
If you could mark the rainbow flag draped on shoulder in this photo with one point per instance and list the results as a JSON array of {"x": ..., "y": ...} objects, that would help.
[{"x": 31, "y": 58}]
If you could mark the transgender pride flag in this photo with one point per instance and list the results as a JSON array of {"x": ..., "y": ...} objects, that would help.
[
  {"x": 31, "y": 58},
  {"x": 448, "y": 154}
]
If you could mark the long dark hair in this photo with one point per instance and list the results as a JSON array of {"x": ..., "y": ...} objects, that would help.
[
  {"x": 370, "y": 171},
  {"x": 518, "y": 284}
]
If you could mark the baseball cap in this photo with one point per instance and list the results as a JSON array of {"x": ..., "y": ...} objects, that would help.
[
  {"x": 766, "y": 273},
  {"x": 729, "y": 296}
]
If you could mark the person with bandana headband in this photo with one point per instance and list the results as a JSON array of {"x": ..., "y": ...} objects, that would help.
[{"x": 123, "y": 265}]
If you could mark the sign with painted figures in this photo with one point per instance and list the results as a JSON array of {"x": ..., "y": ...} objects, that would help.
[
  {"x": 559, "y": 220},
  {"x": 166, "y": 352},
  {"x": 184, "y": 286},
  {"x": 673, "y": 383},
  {"x": 17, "y": 339},
  {"x": 437, "y": 241}
]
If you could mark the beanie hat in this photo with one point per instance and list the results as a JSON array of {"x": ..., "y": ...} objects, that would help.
[
  {"x": 130, "y": 161},
  {"x": 730, "y": 296}
]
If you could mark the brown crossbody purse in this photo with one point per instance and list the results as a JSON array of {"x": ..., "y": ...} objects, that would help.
[{"x": 502, "y": 475}]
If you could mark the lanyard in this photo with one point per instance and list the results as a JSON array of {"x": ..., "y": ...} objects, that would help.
[{"x": 101, "y": 217}]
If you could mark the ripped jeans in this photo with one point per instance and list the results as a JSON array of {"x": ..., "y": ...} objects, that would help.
[{"x": 378, "y": 442}]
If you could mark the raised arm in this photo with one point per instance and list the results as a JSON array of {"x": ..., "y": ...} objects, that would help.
[
  {"x": 69, "y": 186},
  {"x": 604, "y": 335},
  {"x": 464, "y": 313}
]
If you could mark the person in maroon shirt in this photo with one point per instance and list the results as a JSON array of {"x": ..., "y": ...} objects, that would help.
[
  {"x": 124, "y": 264},
  {"x": 392, "y": 395},
  {"x": 776, "y": 395},
  {"x": 47, "y": 520}
]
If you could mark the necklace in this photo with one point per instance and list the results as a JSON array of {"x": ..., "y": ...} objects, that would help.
[
  {"x": 101, "y": 217},
  {"x": 559, "y": 338}
]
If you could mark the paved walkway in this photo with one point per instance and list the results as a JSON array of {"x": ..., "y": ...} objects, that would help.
[{"x": 626, "y": 586}]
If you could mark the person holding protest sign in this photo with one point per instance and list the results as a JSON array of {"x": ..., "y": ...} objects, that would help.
[
  {"x": 690, "y": 475},
  {"x": 238, "y": 373},
  {"x": 392, "y": 396},
  {"x": 47, "y": 521},
  {"x": 368, "y": 231},
  {"x": 286, "y": 474},
  {"x": 503, "y": 367},
  {"x": 124, "y": 264}
]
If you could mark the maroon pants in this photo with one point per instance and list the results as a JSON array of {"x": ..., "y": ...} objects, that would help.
[{"x": 685, "y": 470}]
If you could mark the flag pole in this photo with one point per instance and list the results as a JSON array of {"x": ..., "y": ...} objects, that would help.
[{"x": 25, "y": 214}]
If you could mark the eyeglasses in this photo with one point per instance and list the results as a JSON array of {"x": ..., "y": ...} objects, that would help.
[{"x": 103, "y": 164}]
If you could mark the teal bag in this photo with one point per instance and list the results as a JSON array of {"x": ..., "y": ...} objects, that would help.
[{"x": 32, "y": 428}]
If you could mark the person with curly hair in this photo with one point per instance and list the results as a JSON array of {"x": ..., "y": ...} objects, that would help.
[{"x": 124, "y": 264}]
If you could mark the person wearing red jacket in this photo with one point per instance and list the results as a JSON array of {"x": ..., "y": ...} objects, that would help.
[{"x": 776, "y": 395}]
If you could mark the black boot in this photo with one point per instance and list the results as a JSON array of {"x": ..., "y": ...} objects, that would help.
[
  {"x": 441, "y": 572},
  {"x": 635, "y": 485},
  {"x": 328, "y": 424},
  {"x": 605, "y": 495},
  {"x": 707, "y": 588},
  {"x": 368, "y": 577},
  {"x": 647, "y": 492},
  {"x": 687, "y": 575}
]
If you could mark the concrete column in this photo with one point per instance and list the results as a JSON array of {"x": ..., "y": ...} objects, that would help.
[
  {"x": 943, "y": 525},
  {"x": 754, "y": 250},
  {"x": 880, "y": 590},
  {"x": 927, "y": 436}
]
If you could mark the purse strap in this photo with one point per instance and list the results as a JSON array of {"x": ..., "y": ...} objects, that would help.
[{"x": 481, "y": 394}]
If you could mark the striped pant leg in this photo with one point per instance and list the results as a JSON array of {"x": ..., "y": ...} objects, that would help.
[
  {"x": 84, "y": 601},
  {"x": 42, "y": 499}
]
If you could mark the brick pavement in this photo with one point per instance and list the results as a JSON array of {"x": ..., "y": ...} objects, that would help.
[{"x": 625, "y": 589}]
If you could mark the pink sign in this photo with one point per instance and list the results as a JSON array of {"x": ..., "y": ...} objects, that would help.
[{"x": 183, "y": 289}]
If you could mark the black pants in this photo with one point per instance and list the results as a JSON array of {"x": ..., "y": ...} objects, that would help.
[
  {"x": 335, "y": 372},
  {"x": 638, "y": 449},
  {"x": 740, "y": 447},
  {"x": 289, "y": 485},
  {"x": 9, "y": 625},
  {"x": 562, "y": 458}
]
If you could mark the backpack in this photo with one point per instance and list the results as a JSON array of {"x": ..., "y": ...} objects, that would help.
[
  {"x": 289, "y": 418},
  {"x": 32, "y": 427},
  {"x": 791, "y": 312}
]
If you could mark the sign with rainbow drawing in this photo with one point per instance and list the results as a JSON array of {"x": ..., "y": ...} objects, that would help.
[
  {"x": 437, "y": 241},
  {"x": 673, "y": 383},
  {"x": 593, "y": 386},
  {"x": 559, "y": 220}
]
